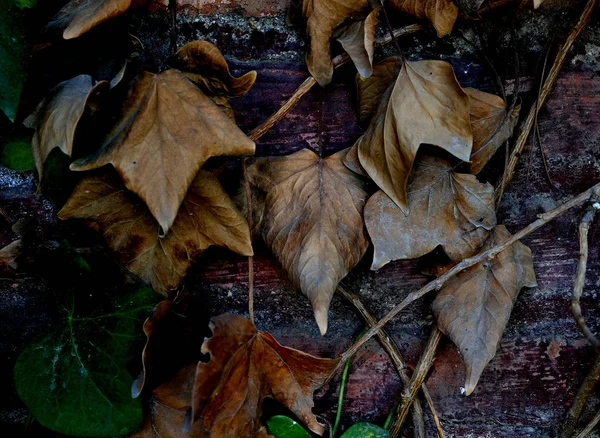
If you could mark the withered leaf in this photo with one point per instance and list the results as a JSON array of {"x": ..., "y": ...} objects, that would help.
[
  {"x": 207, "y": 217},
  {"x": 490, "y": 129},
  {"x": 324, "y": 18},
  {"x": 10, "y": 253},
  {"x": 312, "y": 221},
  {"x": 441, "y": 13},
  {"x": 537, "y": 3},
  {"x": 473, "y": 308},
  {"x": 80, "y": 16},
  {"x": 245, "y": 367},
  {"x": 450, "y": 209},
  {"x": 371, "y": 90},
  {"x": 168, "y": 130},
  {"x": 56, "y": 117},
  {"x": 425, "y": 105}
]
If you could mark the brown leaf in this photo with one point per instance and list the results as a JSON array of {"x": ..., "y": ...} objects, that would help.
[
  {"x": 371, "y": 90},
  {"x": 325, "y": 18},
  {"x": 450, "y": 209},
  {"x": 312, "y": 221},
  {"x": 56, "y": 117},
  {"x": 206, "y": 217},
  {"x": 80, "y": 16},
  {"x": 10, "y": 253},
  {"x": 204, "y": 64},
  {"x": 490, "y": 129},
  {"x": 474, "y": 306},
  {"x": 441, "y": 13},
  {"x": 425, "y": 105},
  {"x": 245, "y": 367},
  {"x": 167, "y": 131}
]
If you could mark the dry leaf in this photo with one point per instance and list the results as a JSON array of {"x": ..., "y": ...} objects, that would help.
[
  {"x": 371, "y": 90},
  {"x": 56, "y": 117},
  {"x": 312, "y": 221},
  {"x": 207, "y": 217},
  {"x": 537, "y": 3},
  {"x": 80, "y": 16},
  {"x": 488, "y": 112},
  {"x": 450, "y": 209},
  {"x": 441, "y": 13},
  {"x": 245, "y": 367},
  {"x": 325, "y": 17},
  {"x": 10, "y": 253},
  {"x": 474, "y": 306},
  {"x": 168, "y": 130},
  {"x": 425, "y": 105}
]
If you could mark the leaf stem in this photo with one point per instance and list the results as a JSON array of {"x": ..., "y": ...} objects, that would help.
[
  {"x": 338, "y": 414},
  {"x": 581, "y": 398},
  {"x": 248, "y": 191}
]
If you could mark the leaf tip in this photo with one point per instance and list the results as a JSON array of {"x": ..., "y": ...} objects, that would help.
[{"x": 321, "y": 318}]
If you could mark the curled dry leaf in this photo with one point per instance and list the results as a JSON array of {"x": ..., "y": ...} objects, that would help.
[
  {"x": 450, "y": 209},
  {"x": 474, "y": 306},
  {"x": 335, "y": 18},
  {"x": 80, "y": 16},
  {"x": 167, "y": 131},
  {"x": 312, "y": 221},
  {"x": 56, "y": 117},
  {"x": 490, "y": 126},
  {"x": 425, "y": 105},
  {"x": 441, "y": 13},
  {"x": 207, "y": 217},
  {"x": 10, "y": 253},
  {"x": 245, "y": 367}
]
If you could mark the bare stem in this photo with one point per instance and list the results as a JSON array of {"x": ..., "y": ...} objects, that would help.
[
  {"x": 434, "y": 414},
  {"x": 543, "y": 96},
  {"x": 436, "y": 284},
  {"x": 251, "y": 227},
  {"x": 590, "y": 426},
  {"x": 581, "y": 398}
]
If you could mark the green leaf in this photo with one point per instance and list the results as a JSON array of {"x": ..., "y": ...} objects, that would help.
[
  {"x": 284, "y": 427},
  {"x": 366, "y": 430},
  {"x": 17, "y": 155},
  {"x": 12, "y": 57},
  {"x": 25, "y": 3},
  {"x": 75, "y": 380}
]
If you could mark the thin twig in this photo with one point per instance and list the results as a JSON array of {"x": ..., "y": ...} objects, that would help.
[
  {"x": 581, "y": 398},
  {"x": 437, "y": 284},
  {"x": 173, "y": 13},
  {"x": 395, "y": 355},
  {"x": 251, "y": 227},
  {"x": 434, "y": 414},
  {"x": 590, "y": 426},
  {"x": 545, "y": 92},
  {"x": 418, "y": 377}
]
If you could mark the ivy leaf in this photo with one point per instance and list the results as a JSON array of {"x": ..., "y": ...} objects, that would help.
[
  {"x": 207, "y": 217},
  {"x": 17, "y": 155},
  {"x": 281, "y": 426},
  {"x": 80, "y": 16},
  {"x": 473, "y": 308},
  {"x": 26, "y": 3},
  {"x": 56, "y": 117},
  {"x": 441, "y": 13},
  {"x": 74, "y": 380},
  {"x": 425, "y": 105},
  {"x": 365, "y": 430},
  {"x": 450, "y": 209},
  {"x": 312, "y": 221},
  {"x": 13, "y": 60},
  {"x": 245, "y": 367},
  {"x": 333, "y": 18},
  {"x": 167, "y": 131}
]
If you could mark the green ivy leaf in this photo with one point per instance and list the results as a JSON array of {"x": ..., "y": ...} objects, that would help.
[
  {"x": 366, "y": 430},
  {"x": 25, "y": 3},
  {"x": 17, "y": 155},
  {"x": 284, "y": 427},
  {"x": 75, "y": 380}
]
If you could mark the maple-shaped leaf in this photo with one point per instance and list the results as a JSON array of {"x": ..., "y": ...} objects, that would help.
[
  {"x": 80, "y": 16},
  {"x": 490, "y": 126},
  {"x": 312, "y": 221},
  {"x": 207, "y": 217},
  {"x": 327, "y": 19},
  {"x": 56, "y": 117},
  {"x": 441, "y": 13},
  {"x": 450, "y": 209},
  {"x": 167, "y": 131},
  {"x": 245, "y": 367},
  {"x": 424, "y": 105},
  {"x": 473, "y": 308},
  {"x": 372, "y": 90}
]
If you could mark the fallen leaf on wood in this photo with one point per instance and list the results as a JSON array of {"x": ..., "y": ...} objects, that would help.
[
  {"x": 80, "y": 16},
  {"x": 56, "y": 117},
  {"x": 167, "y": 131},
  {"x": 441, "y": 13},
  {"x": 245, "y": 367},
  {"x": 312, "y": 221},
  {"x": 425, "y": 105},
  {"x": 10, "y": 253},
  {"x": 207, "y": 217},
  {"x": 490, "y": 129},
  {"x": 473, "y": 308},
  {"x": 372, "y": 90},
  {"x": 325, "y": 18},
  {"x": 450, "y": 209}
]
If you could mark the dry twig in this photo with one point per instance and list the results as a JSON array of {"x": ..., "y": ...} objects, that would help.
[
  {"x": 590, "y": 426},
  {"x": 582, "y": 395},
  {"x": 248, "y": 191}
]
